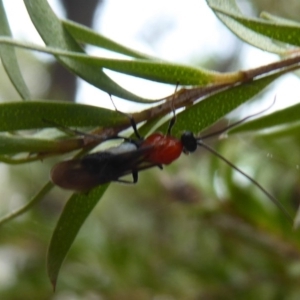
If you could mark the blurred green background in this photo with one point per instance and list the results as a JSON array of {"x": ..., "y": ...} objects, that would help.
[{"x": 195, "y": 230}]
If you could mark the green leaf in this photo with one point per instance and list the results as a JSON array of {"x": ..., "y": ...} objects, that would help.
[
  {"x": 35, "y": 199},
  {"x": 284, "y": 33},
  {"x": 208, "y": 111},
  {"x": 86, "y": 35},
  {"x": 40, "y": 114},
  {"x": 283, "y": 132},
  {"x": 160, "y": 71},
  {"x": 285, "y": 116},
  {"x": 17, "y": 144},
  {"x": 224, "y": 9},
  {"x": 55, "y": 35},
  {"x": 9, "y": 58},
  {"x": 73, "y": 216},
  {"x": 278, "y": 20}
]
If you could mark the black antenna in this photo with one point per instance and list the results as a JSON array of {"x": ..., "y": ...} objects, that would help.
[
  {"x": 236, "y": 123},
  {"x": 270, "y": 196}
]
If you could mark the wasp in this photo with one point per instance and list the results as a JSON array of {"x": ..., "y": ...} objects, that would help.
[{"x": 138, "y": 154}]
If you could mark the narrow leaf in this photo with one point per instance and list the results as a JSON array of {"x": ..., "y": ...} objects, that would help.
[
  {"x": 208, "y": 111},
  {"x": 10, "y": 145},
  {"x": 9, "y": 58},
  {"x": 278, "y": 20},
  {"x": 86, "y": 35},
  {"x": 285, "y": 116},
  {"x": 41, "y": 114},
  {"x": 258, "y": 40},
  {"x": 35, "y": 199},
  {"x": 285, "y": 33},
  {"x": 54, "y": 34},
  {"x": 73, "y": 216},
  {"x": 160, "y": 71},
  {"x": 280, "y": 133}
]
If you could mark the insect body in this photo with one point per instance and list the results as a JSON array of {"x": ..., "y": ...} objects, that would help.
[
  {"x": 130, "y": 157},
  {"x": 135, "y": 155},
  {"x": 109, "y": 165},
  {"x": 164, "y": 148},
  {"x": 100, "y": 167}
]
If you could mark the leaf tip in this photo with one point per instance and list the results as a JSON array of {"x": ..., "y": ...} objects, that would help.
[{"x": 53, "y": 283}]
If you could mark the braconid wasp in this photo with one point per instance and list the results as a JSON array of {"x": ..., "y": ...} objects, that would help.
[{"x": 136, "y": 154}]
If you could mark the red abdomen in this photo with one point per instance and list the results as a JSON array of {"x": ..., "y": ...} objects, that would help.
[{"x": 165, "y": 150}]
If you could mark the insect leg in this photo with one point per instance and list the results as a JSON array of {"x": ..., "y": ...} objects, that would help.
[
  {"x": 131, "y": 119},
  {"x": 173, "y": 119}
]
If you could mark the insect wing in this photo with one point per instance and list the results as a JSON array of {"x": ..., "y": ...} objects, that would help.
[{"x": 98, "y": 168}]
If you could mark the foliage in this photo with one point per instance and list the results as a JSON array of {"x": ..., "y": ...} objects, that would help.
[{"x": 241, "y": 243}]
